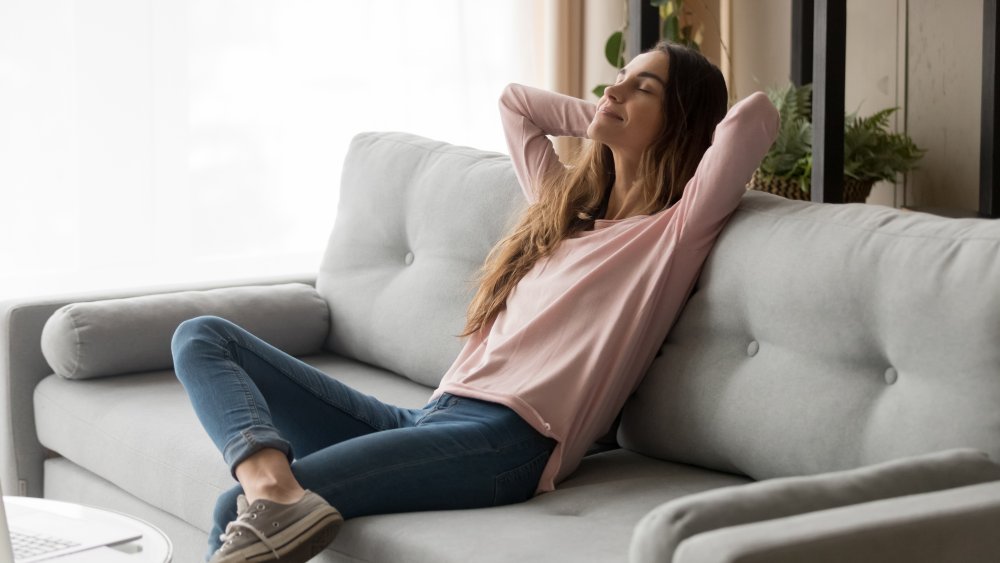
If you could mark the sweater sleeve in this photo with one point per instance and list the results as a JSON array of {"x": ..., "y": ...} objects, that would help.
[
  {"x": 528, "y": 115},
  {"x": 740, "y": 142}
]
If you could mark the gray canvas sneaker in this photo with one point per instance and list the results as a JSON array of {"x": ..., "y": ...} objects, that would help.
[{"x": 268, "y": 531}]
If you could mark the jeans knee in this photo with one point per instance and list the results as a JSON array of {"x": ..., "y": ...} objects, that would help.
[{"x": 203, "y": 328}]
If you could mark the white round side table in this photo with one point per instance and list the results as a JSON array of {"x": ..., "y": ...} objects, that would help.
[{"x": 153, "y": 547}]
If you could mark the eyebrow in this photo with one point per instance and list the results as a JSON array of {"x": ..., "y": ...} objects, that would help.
[{"x": 647, "y": 75}]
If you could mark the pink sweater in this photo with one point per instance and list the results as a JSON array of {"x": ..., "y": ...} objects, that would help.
[{"x": 583, "y": 325}]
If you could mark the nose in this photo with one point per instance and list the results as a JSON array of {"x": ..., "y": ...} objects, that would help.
[{"x": 613, "y": 92}]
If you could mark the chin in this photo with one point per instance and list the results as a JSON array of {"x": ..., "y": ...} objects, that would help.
[{"x": 595, "y": 133}]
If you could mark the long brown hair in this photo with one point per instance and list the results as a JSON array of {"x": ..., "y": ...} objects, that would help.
[{"x": 570, "y": 199}]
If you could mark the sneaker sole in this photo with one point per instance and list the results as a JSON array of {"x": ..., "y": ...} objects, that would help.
[{"x": 299, "y": 543}]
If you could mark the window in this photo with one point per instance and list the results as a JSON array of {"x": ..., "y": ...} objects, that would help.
[{"x": 151, "y": 142}]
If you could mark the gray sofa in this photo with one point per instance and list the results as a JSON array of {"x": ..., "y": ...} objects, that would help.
[{"x": 831, "y": 391}]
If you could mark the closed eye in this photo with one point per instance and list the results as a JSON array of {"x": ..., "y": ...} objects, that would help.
[{"x": 642, "y": 75}]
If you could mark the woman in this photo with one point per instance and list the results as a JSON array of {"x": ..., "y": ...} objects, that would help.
[{"x": 570, "y": 311}]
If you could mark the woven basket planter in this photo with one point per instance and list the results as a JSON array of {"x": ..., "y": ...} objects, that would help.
[{"x": 855, "y": 191}]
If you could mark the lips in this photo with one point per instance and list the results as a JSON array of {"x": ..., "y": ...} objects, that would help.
[{"x": 605, "y": 110}]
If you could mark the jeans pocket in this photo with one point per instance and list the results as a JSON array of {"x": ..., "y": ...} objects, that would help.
[{"x": 519, "y": 484}]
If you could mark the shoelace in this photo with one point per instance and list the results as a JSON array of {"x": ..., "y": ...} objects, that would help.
[{"x": 240, "y": 522}]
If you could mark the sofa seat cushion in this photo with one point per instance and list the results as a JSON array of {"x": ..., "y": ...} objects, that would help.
[
  {"x": 589, "y": 517},
  {"x": 140, "y": 432}
]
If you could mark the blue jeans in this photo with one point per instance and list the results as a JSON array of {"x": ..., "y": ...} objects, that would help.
[{"x": 363, "y": 456}]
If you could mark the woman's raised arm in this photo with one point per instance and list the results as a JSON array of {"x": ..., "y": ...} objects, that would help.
[
  {"x": 739, "y": 144},
  {"x": 528, "y": 115}
]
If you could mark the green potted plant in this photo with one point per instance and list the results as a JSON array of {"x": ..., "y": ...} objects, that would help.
[{"x": 871, "y": 151}]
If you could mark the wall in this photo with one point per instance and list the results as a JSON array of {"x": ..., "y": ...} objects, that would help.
[
  {"x": 708, "y": 13},
  {"x": 944, "y": 79},
  {"x": 601, "y": 18},
  {"x": 761, "y": 45},
  {"x": 874, "y": 64},
  {"x": 920, "y": 55}
]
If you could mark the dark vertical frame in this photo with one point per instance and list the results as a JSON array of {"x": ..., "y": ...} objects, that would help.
[
  {"x": 819, "y": 41},
  {"x": 989, "y": 159},
  {"x": 819, "y": 32},
  {"x": 802, "y": 42},
  {"x": 643, "y": 27},
  {"x": 829, "y": 52}
]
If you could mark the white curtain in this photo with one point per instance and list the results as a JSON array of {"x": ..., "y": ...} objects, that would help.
[{"x": 163, "y": 141}]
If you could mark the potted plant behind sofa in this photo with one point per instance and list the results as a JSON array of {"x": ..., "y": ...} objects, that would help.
[{"x": 871, "y": 151}]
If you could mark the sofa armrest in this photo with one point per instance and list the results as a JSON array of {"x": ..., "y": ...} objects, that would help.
[
  {"x": 952, "y": 525},
  {"x": 22, "y": 366},
  {"x": 658, "y": 534}
]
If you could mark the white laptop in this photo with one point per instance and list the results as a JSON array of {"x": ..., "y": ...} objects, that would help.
[{"x": 27, "y": 534}]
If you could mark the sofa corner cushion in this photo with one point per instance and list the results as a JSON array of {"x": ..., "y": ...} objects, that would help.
[
  {"x": 658, "y": 534},
  {"x": 116, "y": 336},
  {"x": 415, "y": 222},
  {"x": 817, "y": 332}
]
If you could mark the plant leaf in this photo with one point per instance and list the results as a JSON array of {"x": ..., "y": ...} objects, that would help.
[
  {"x": 671, "y": 28},
  {"x": 599, "y": 90},
  {"x": 871, "y": 150},
  {"x": 614, "y": 50}
]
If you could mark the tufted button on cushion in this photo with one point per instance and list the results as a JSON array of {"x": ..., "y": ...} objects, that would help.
[
  {"x": 753, "y": 348},
  {"x": 399, "y": 195},
  {"x": 839, "y": 293},
  {"x": 890, "y": 376}
]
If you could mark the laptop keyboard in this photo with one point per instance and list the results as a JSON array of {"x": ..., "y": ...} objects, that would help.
[{"x": 30, "y": 545}]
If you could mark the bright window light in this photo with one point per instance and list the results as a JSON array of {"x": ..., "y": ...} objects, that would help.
[{"x": 161, "y": 142}]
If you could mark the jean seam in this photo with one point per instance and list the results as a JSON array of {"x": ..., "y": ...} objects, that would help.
[
  {"x": 396, "y": 467},
  {"x": 511, "y": 476},
  {"x": 241, "y": 378},
  {"x": 439, "y": 406},
  {"x": 248, "y": 347}
]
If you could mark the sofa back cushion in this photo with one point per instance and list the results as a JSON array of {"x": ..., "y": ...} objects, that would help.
[
  {"x": 415, "y": 222},
  {"x": 824, "y": 337}
]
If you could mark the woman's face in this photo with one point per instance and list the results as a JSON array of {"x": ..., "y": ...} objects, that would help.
[{"x": 630, "y": 113}]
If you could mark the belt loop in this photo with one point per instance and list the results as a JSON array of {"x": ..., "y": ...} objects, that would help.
[{"x": 443, "y": 401}]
